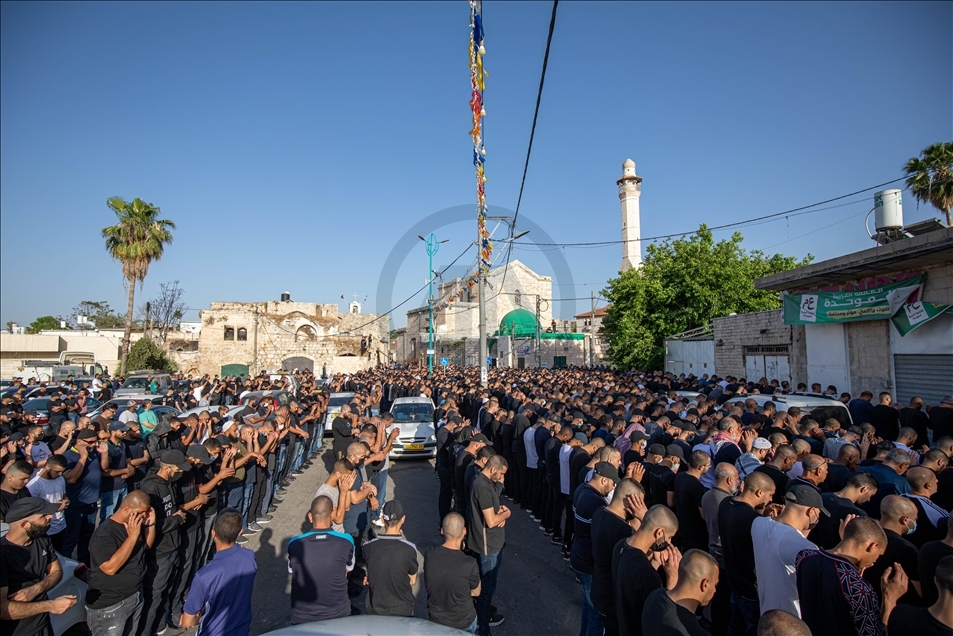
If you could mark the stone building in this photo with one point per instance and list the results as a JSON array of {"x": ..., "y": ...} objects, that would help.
[{"x": 242, "y": 338}]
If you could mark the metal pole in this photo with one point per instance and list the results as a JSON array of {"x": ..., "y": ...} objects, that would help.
[
  {"x": 430, "y": 303},
  {"x": 537, "y": 333},
  {"x": 484, "y": 381},
  {"x": 592, "y": 329},
  {"x": 254, "y": 345}
]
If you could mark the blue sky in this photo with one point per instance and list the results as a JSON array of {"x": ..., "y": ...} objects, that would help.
[{"x": 294, "y": 143}]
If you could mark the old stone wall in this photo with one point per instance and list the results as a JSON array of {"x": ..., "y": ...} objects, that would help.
[
  {"x": 733, "y": 333},
  {"x": 938, "y": 287}
]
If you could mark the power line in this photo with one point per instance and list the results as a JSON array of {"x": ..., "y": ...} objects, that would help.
[{"x": 793, "y": 212}]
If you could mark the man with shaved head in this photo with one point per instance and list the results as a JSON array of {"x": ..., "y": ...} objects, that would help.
[
  {"x": 898, "y": 517},
  {"x": 672, "y": 612},
  {"x": 781, "y": 623},
  {"x": 931, "y": 518},
  {"x": 452, "y": 578},
  {"x": 726, "y": 484},
  {"x": 835, "y": 599},
  {"x": 813, "y": 472}
]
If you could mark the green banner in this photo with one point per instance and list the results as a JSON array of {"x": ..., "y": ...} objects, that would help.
[
  {"x": 876, "y": 303},
  {"x": 916, "y": 315}
]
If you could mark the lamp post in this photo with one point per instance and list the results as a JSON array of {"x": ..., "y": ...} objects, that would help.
[
  {"x": 433, "y": 245},
  {"x": 484, "y": 372}
]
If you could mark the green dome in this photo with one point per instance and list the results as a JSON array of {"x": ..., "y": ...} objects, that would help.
[{"x": 519, "y": 323}]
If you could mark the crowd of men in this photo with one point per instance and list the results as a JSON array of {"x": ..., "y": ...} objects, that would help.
[
  {"x": 695, "y": 514},
  {"x": 153, "y": 507}
]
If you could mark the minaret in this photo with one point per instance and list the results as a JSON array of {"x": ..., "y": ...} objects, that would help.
[{"x": 630, "y": 189}]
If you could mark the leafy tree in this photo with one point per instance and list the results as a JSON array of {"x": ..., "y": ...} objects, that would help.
[
  {"x": 930, "y": 177},
  {"x": 683, "y": 284},
  {"x": 44, "y": 322},
  {"x": 146, "y": 354},
  {"x": 98, "y": 312},
  {"x": 138, "y": 238}
]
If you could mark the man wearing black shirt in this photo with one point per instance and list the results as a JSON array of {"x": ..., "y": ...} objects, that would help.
[
  {"x": 444, "y": 465},
  {"x": 693, "y": 533},
  {"x": 463, "y": 460},
  {"x": 635, "y": 562},
  {"x": 777, "y": 469},
  {"x": 858, "y": 490},
  {"x": 343, "y": 430},
  {"x": 897, "y": 517},
  {"x": 29, "y": 569},
  {"x": 391, "y": 567},
  {"x": 452, "y": 578},
  {"x": 672, "y": 612},
  {"x": 610, "y": 525},
  {"x": 487, "y": 517},
  {"x": 885, "y": 418},
  {"x": 941, "y": 418},
  {"x": 935, "y": 620},
  {"x": 735, "y": 516},
  {"x": 914, "y": 417},
  {"x": 118, "y": 566}
]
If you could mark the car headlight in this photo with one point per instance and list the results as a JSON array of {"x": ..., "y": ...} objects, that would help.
[{"x": 432, "y": 438}]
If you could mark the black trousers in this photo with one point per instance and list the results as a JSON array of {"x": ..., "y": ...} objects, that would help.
[
  {"x": 569, "y": 530},
  {"x": 445, "y": 498},
  {"x": 557, "y": 504},
  {"x": 525, "y": 494},
  {"x": 512, "y": 477},
  {"x": 721, "y": 605},
  {"x": 156, "y": 593}
]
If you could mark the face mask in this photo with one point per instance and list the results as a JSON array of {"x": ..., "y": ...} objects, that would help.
[
  {"x": 660, "y": 546},
  {"x": 675, "y": 467},
  {"x": 813, "y": 524},
  {"x": 913, "y": 529}
]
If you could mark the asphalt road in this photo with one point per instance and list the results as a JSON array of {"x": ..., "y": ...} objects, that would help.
[{"x": 537, "y": 591}]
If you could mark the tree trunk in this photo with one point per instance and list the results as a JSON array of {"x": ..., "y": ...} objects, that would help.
[
  {"x": 949, "y": 217},
  {"x": 127, "y": 335}
]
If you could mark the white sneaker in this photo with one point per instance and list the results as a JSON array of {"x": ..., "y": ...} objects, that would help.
[{"x": 378, "y": 523}]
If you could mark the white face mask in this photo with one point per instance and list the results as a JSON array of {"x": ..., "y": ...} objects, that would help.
[{"x": 675, "y": 467}]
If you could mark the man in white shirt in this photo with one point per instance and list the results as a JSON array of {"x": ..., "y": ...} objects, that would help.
[
  {"x": 50, "y": 485},
  {"x": 777, "y": 543},
  {"x": 129, "y": 415}
]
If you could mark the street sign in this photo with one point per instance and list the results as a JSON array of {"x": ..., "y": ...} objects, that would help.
[
  {"x": 444, "y": 362},
  {"x": 489, "y": 361},
  {"x": 430, "y": 352}
]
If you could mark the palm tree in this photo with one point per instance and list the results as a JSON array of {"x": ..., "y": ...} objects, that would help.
[
  {"x": 930, "y": 177},
  {"x": 135, "y": 241}
]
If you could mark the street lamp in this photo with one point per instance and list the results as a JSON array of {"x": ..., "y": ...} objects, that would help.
[
  {"x": 484, "y": 371},
  {"x": 433, "y": 245}
]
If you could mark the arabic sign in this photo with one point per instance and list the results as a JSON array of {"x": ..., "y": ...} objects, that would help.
[
  {"x": 876, "y": 303},
  {"x": 916, "y": 315}
]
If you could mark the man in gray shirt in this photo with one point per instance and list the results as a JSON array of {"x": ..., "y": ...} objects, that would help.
[{"x": 726, "y": 482}]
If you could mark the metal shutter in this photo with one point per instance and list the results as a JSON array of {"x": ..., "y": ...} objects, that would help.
[{"x": 929, "y": 376}]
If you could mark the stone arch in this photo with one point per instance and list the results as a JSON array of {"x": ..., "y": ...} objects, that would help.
[
  {"x": 305, "y": 333},
  {"x": 298, "y": 362}
]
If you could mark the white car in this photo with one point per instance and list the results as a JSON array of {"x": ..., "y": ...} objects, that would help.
[
  {"x": 817, "y": 408},
  {"x": 370, "y": 625},
  {"x": 72, "y": 583},
  {"x": 335, "y": 402},
  {"x": 414, "y": 418}
]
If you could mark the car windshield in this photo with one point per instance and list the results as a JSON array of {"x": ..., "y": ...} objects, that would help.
[
  {"x": 340, "y": 401},
  {"x": 135, "y": 383},
  {"x": 37, "y": 404},
  {"x": 412, "y": 413}
]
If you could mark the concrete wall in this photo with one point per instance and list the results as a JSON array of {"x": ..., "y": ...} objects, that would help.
[
  {"x": 938, "y": 287},
  {"x": 869, "y": 356},
  {"x": 15, "y": 348},
  {"x": 741, "y": 330}
]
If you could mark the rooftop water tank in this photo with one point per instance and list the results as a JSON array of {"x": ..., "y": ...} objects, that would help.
[
  {"x": 285, "y": 297},
  {"x": 888, "y": 210}
]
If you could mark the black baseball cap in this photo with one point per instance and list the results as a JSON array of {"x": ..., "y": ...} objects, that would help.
[
  {"x": 197, "y": 451},
  {"x": 393, "y": 511},
  {"x": 805, "y": 495},
  {"x": 674, "y": 450},
  {"x": 657, "y": 449},
  {"x": 87, "y": 433},
  {"x": 480, "y": 437},
  {"x": 607, "y": 470},
  {"x": 29, "y": 506},
  {"x": 637, "y": 436},
  {"x": 175, "y": 458}
]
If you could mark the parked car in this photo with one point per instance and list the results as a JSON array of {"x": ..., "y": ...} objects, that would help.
[
  {"x": 817, "y": 407},
  {"x": 42, "y": 407},
  {"x": 74, "y": 583},
  {"x": 283, "y": 398},
  {"x": 138, "y": 382},
  {"x": 417, "y": 437},
  {"x": 121, "y": 402},
  {"x": 691, "y": 395},
  {"x": 335, "y": 402},
  {"x": 45, "y": 391},
  {"x": 370, "y": 625}
]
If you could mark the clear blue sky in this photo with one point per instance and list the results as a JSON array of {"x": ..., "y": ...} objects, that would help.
[{"x": 292, "y": 144}]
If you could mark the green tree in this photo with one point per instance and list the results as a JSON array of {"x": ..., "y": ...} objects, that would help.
[
  {"x": 138, "y": 238},
  {"x": 146, "y": 354},
  {"x": 44, "y": 322},
  {"x": 683, "y": 284},
  {"x": 98, "y": 312},
  {"x": 930, "y": 177}
]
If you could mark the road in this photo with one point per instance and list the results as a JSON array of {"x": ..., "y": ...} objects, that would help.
[{"x": 537, "y": 591}]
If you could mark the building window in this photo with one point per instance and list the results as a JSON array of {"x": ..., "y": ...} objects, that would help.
[
  {"x": 242, "y": 334},
  {"x": 229, "y": 333}
]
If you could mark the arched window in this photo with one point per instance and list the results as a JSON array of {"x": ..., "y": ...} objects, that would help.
[
  {"x": 229, "y": 333},
  {"x": 305, "y": 332},
  {"x": 242, "y": 333}
]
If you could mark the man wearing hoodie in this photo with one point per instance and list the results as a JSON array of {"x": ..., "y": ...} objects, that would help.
[
  {"x": 162, "y": 558},
  {"x": 165, "y": 436}
]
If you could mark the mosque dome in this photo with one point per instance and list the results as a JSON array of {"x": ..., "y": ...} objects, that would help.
[{"x": 519, "y": 323}]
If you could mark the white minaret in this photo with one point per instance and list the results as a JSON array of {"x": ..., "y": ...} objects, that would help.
[{"x": 630, "y": 189}]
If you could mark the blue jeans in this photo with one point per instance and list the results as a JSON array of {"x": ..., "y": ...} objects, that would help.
[
  {"x": 109, "y": 500},
  {"x": 590, "y": 622},
  {"x": 120, "y": 619},
  {"x": 381, "y": 494},
  {"x": 297, "y": 457},
  {"x": 80, "y": 524},
  {"x": 234, "y": 495},
  {"x": 246, "y": 503},
  {"x": 745, "y": 615},
  {"x": 472, "y": 629},
  {"x": 489, "y": 571},
  {"x": 269, "y": 477}
]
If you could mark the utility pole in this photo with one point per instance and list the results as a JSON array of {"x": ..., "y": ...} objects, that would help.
[
  {"x": 592, "y": 329},
  {"x": 254, "y": 345},
  {"x": 433, "y": 245},
  {"x": 481, "y": 301},
  {"x": 538, "y": 359}
]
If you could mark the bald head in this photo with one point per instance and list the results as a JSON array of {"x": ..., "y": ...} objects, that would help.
[
  {"x": 625, "y": 488},
  {"x": 892, "y": 507},
  {"x": 725, "y": 472},
  {"x": 811, "y": 462},
  {"x": 781, "y": 623},
  {"x": 759, "y": 481},
  {"x": 321, "y": 508},
  {"x": 862, "y": 531},
  {"x": 136, "y": 500},
  {"x": 695, "y": 566},
  {"x": 453, "y": 526},
  {"x": 660, "y": 516},
  {"x": 921, "y": 479}
]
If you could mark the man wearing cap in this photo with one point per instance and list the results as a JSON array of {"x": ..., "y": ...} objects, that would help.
[
  {"x": 130, "y": 413},
  {"x": 391, "y": 567},
  {"x": 487, "y": 535},
  {"x": 776, "y": 545},
  {"x": 319, "y": 562},
  {"x": 118, "y": 567},
  {"x": 162, "y": 559},
  {"x": 29, "y": 569},
  {"x": 85, "y": 463},
  {"x": 750, "y": 461},
  {"x": 116, "y": 472},
  {"x": 589, "y": 498}
]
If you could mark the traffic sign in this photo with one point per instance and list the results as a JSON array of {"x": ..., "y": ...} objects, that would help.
[{"x": 444, "y": 362}]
